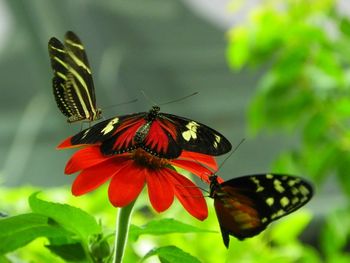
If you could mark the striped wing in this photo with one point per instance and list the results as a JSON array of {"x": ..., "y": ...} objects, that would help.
[
  {"x": 246, "y": 205},
  {"x": 72, "y": 82}
]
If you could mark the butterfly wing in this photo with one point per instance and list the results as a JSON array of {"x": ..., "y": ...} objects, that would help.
[
  {"x": 60, "y": 68},
  {"x": 194, "y": 136},
  {"x": 120, "y": 127},
  {"x": 73, "y": 84},
  {"x": 154, "y": 137},
  {"x": 246, "y": 205}
]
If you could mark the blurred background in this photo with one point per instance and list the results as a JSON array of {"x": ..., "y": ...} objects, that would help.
[{"x": 273, "y": 72}]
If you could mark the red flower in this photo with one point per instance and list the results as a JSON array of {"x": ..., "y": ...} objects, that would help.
[{"x": 129, "y": 172}]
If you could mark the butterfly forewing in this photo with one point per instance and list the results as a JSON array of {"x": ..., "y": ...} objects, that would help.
[
  {"x": 246, "y": 205},
  {"x": 105, "y": 130},
  {"x": 197, "y": 137},
  {"x": 72, "y": 83}
]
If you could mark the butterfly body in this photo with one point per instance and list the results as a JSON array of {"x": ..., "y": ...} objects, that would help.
[
  {"x": 161, "y": 134},
  {"x": 72, "y": 83},
  {"x": 246, "y": 205}
]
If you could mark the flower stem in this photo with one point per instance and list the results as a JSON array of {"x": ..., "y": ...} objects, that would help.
[{"x": 122, "y": 230}]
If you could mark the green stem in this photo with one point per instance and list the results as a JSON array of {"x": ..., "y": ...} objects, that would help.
[{"x": 122, "y": 230}]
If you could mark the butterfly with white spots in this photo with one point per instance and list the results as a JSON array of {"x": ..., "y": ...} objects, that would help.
[
  {"x": 246, "y": 205},
  {"x": 161, "y": 134}
]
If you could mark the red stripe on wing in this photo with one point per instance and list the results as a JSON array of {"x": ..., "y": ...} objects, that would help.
[
  {"x": 127, "y": 132},
  {"x": 157, "y": 139},
  {"x": 169, "y": 126}
]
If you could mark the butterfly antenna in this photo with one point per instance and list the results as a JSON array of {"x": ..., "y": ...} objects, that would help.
[
  {"x": 232, "y": 152},
  {"x": 148, "y": 98},
  {"x": 119, "y": 104},
  {"x": 180, "y": 99}
]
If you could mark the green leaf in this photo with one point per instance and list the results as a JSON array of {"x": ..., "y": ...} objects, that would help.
[
  {"x": 335, "y": 232},
  {"x": 345, "y": 26},
  {"x": 343, "y": 171},
  {"x": 17, "y": 231},
  {"x": 70, "y": 252},
  {"x": 171, "y": 254},
  {"x": 316, "y": 128},
  {"x": 162, "y": 227},
  {"x": 3, "y": 259},
  {"x": 288, "y": 230},
  {"x": 71, "y": 218},
  {"x": 238, "y": 51}
]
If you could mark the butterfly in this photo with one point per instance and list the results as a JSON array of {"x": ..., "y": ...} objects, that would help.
[
  {"x": 72, "y": 83},
  {"x": 246, "y": 205},
  {"x": 161, "y": 134}
]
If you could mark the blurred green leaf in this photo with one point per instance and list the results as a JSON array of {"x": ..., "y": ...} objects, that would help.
[
  {"x": 238, "y": 53},
  {"x": 72, "y": 218},
  {"x": 17, "y": 231},
  {"x": 162, "y": 227},
  {"x": 343, "y": 171},
  {"x": 171, "y": 254},
  {"x": 316, "y": 128},
  {"x": 3, "y": 259},
  {"x": 335, "y": 232},
  {"x": 344, "y": 26},
  {"x": 287, "y": 230}
]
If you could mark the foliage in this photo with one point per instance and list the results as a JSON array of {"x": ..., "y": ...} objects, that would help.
[
  {"x": 167, "y": 238},
  {"x": 302, "y": 48}
]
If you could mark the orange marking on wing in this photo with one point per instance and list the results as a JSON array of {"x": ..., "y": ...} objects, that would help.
[{"x": 236, "y": 212}]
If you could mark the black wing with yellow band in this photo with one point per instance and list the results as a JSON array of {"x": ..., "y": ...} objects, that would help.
[{"x": 73, "y": 85}]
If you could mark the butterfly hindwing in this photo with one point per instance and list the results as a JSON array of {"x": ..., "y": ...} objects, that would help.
[
  {"x": 246, "y": 205},
  {"x": 197, "y": 137}
]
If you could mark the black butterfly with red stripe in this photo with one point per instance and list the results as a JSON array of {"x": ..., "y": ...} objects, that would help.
[
  {"x": 161, "y": 134},
  {"x": 246, "y": 205}
]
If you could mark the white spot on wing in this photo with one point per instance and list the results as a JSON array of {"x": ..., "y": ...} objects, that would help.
[
  {"x": 110, "y": 126},
  {"x": 278, "y": 186},
  {"x": 191, "y": 133},
  {"x": 216, "y": 141},
  {"x": 269, "y": 201},
  {"x": 284, "y": 201}
]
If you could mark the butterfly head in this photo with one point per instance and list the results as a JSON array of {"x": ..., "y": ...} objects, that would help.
[
  {"x": 153, "y": 113},
  {"x": 214, "y": 185}
]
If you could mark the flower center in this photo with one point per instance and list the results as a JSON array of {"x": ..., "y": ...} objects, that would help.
[{"x": 144, "y": 159}]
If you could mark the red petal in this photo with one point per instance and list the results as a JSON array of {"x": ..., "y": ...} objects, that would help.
[
  {"x": 84, "y": 158},
  {"x": 207, "y": 160},
  {"x": 127, "y": 184},
  {"x": 93, "y": 177},
  {"x": 194, "y": 168},
  {"x": 160, "y": 190},
  {"x": 88, "y": 157},
  {"x": 189, "y": 195}
]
